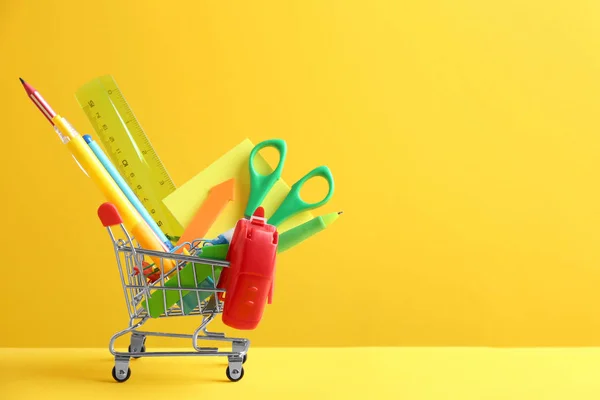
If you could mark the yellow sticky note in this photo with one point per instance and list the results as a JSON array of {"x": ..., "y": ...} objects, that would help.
[{"x": 187, "y": 199}]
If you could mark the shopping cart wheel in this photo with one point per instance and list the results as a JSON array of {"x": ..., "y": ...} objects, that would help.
[
  {"x": 235, "y": 374},
  {"x": 137, "y": 344},
  {"x": 245, "y": 358},
  {"x": 142, "y": 350},
  {"x": 121, "y": 376}
]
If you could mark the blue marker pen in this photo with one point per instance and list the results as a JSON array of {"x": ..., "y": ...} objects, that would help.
[{"x": 135, "y": 202}]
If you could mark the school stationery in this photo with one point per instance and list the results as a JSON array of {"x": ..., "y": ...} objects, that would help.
[
  {"x": 260, "y": 185},
  {"x": 185, "y": 201},
  {"x": 218, "y": 197},
  {"x": 294, "y": 236},
  {"x": 236, "y": 279},
  {"x": 90, "y": 165},
  {"x": 110, "y": 168},
  {"x": 160, "y": 298},
  {"x": 129, "y": 148}
]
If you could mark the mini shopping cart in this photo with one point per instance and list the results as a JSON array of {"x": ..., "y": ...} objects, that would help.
[{"x": 138, "y": 290}]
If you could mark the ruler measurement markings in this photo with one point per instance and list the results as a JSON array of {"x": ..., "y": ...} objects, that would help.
[
  {"x": 143, "y": 138},
  {"x": 122, "y": 120},
  {"x": 106, "y": 139}
]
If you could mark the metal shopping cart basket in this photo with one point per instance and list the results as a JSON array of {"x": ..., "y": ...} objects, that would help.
[{"x": 142, "y": 296}]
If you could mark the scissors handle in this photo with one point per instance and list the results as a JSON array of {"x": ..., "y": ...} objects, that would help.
[
  {"x": 293, "y": 203},
  {"x": 261, "y": 184}
]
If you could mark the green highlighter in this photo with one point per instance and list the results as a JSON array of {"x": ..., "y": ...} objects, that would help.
[
  {"x": 292, "y": 237},
  {"x": 204, "y": 275}
]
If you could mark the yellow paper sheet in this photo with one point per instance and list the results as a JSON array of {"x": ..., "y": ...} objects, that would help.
[{"x": 187, "y": 199}]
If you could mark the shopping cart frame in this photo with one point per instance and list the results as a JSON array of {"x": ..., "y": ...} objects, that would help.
[{"x": 137, "y": 290}]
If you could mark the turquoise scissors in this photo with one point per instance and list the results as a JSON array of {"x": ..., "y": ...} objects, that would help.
[{"x": 260, "y": 185}]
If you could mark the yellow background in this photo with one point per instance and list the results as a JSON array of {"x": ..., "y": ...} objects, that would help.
[{"x": 463, "y": 136}]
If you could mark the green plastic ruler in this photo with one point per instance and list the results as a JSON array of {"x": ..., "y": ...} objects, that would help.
[{"x": 129, "y": 149}]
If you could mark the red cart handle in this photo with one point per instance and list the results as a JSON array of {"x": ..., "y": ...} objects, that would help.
[{"x": 109, "y": 215}]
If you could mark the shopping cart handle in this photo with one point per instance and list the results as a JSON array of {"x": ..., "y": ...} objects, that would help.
[{"x": 109, "y": 215}]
